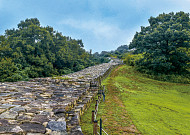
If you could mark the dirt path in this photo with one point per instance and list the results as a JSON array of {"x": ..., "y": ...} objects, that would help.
[{"x": 117, "y": 119}]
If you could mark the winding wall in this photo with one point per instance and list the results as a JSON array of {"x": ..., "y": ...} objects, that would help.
[{"x": 49, "y": 105}]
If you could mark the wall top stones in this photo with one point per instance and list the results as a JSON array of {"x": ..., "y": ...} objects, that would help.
[
  {"x": 48, "y": 105},
  {"x": 92, "y": 72}
]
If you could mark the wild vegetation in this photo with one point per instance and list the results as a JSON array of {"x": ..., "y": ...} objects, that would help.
[
  {"x": 135, "y": 101},
  {"x": 137, "y": 104},
  {"x": 34, "y": 51},
  {"x": 163, "y": 47},
  {"x": 118, "y": 53}
]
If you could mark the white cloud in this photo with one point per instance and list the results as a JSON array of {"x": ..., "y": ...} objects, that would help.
[
  {"x": 107, "y": 36},
  {"x": 98, "y": 28},
  {"x": 105, "y": 32}
]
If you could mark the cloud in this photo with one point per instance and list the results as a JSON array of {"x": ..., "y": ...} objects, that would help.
[
  {"x": 102, "y": 35},
  {"x": 97, "y": 28},
  {"x": 101, "y": 24}
]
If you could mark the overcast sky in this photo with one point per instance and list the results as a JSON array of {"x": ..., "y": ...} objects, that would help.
[{"x": 101, "y": 24}]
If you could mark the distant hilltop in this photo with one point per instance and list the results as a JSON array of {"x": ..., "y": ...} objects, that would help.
[{"x": 120, "y": 50}]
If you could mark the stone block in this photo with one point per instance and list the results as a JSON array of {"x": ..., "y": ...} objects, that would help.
[
  {"x": 9, "y": 115},
  {"x": 40, "y": 119},
  {"x": 57, "y": 125},
  {"x": 32, "y": 128}
]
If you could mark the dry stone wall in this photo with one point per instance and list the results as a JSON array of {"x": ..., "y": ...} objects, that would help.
[{"x": 49, "y": 105}]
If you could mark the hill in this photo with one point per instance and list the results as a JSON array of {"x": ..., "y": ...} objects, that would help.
[
  {"x": 136, "y": 104},
  {"x": 119, "y": 52}
]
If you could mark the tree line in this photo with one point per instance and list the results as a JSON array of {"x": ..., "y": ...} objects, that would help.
[
  {"x": 163, "y": 47},
  {"x": 32, "y": 51}
]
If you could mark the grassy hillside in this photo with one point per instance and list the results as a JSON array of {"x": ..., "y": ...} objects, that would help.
[{"x": 136, "y": 104}]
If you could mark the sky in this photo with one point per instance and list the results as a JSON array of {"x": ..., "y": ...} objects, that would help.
[{"x": 103, "y": 25}]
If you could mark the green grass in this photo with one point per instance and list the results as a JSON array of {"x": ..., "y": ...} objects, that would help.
[
  {"x": 111, "y": 115},
  {"x": 154, "y": 107},
  {"x": 86, "y": 124}
]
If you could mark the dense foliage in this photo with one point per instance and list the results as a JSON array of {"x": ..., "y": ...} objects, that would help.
[
  {"x": 35, "y": 51},
  {"x": 118, "y": 53},
  {"x": 164, "y": 44}
]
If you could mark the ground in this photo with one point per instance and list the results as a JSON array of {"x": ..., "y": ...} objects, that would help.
[{"x": 139, "y": 105}]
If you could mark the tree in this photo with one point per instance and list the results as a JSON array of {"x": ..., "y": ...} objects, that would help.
[
  {"x": 28, "y": 22},
  {"x": 161, "y": 42},
  {"x": 7, "y": 69},
  {"x": 35, "y": 51}
]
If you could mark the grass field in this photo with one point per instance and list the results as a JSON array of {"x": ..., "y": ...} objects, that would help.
[{"x": 139, "y": 105}]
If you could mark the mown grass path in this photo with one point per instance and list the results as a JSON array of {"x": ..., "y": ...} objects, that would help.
[{"x": 139, "y": 105}]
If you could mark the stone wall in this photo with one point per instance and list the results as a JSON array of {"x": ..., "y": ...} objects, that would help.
[{"x": 49, "y": 105}]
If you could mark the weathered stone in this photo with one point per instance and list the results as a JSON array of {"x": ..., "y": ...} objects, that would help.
[
  {"x": 46, "y": 95},
  {"x": 18, "y": 109},
  {"x": 9, "y": 115},
  {"x": 59, "y": 133},
  {"x": 3, "y": 122},
  {"x": 28, "y": 94},
  {"x": 60, "y": 115},
  {"x": 40, "y": 119},
  {"x": 33, "y": 128},
  {"x": 57, "y": 125},
  {"x": 16, "y": 129},
  {"x": 3, "y": 86},
  {"x": 39, "y": 97},
  {"x": 20, "y": 103},
  {"x": 34, "y": 134},
  {"x": 73, "y": 122},
  {"x": 24, "y": 118},
  {"x": 2, "y": 110},
  {"x": 71, "y": 113},
  {"x": 4, "y": 94},
  {"x": 76, "y": 131},
  {"x": 48, "y": 131},
  {"x": 45, "y": 124},
  {"x": 6, "y": 129},
  {"x": 13, "y": 122},
  {"x": 33, "y": 110},
  {"x": 47, "y": 113},
  {"x": 30, "y": 107},
  {"x": 61, "y": 119},
  {"x": 30, "y": 114},
  {"x": 59, "y": 110},
  {"x": 78, "y": 110},
  {"x": 6, "y": 106}
]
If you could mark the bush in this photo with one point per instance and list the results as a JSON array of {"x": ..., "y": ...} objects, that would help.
[{"x": 132, "y": 59}]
